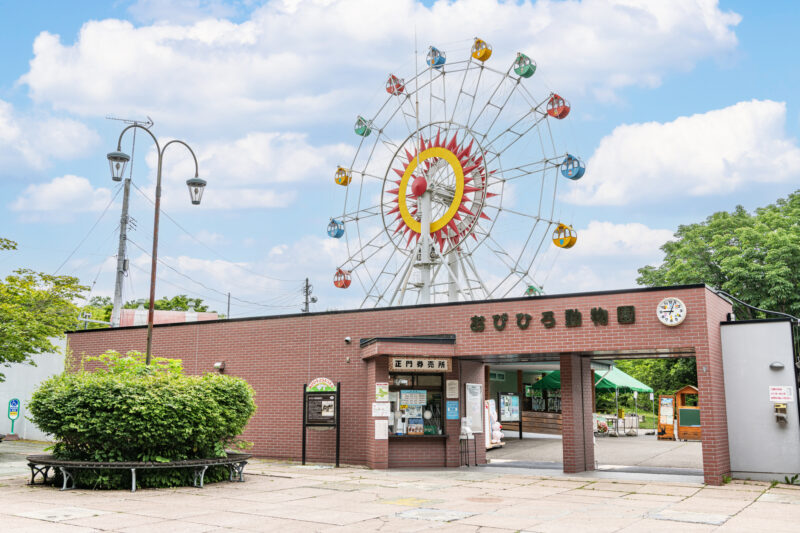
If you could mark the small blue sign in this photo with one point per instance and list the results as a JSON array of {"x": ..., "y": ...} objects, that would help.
[{"x": 452, "y": 409}]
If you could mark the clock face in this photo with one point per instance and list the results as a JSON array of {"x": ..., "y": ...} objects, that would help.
[{"x": 671, "y": 311}]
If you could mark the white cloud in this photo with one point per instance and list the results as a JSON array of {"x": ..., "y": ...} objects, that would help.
[
  {"x": 254, "y": 171},
  {"x": 66, "y": 194},
  {"x": 606, "y": 256},
  {"x": 258, "y": 287},
  {"x": 32, "y": 140},
  {"x": 709, "y": 153},
  {"x": 206, "y": 237},
  {"x": 609, "y": 239},
  {"x": 265, "y": 157},
  {"x": 300, "y": 60}
]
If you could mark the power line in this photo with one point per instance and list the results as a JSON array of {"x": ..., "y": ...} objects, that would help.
[
  {"x": 225, "y": 294},
  {"x": 147, "y": 197},
  {"x": 96, "y": 222},
  {"x": 282, "y": 297}
]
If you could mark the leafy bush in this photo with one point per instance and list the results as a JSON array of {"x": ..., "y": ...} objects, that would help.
[{"x": 127, "y": 411}]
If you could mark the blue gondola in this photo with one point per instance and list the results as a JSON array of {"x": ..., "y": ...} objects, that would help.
[
  {"x": 572, "y": 167},
  {"x": 436, "y": 57},
  {"x": 335, "y": 228}
]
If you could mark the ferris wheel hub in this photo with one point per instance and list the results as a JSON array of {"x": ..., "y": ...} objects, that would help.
[{"x": 419, "y": 186}]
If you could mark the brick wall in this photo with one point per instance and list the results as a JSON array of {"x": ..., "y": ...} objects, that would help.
[{"x": 277, "y": 355}]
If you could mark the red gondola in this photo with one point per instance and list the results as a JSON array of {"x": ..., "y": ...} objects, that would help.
[
  {"x": 395, "y": 85},
  {"x": 342, "y": 278},
  {"x": 557, "y": 107}
]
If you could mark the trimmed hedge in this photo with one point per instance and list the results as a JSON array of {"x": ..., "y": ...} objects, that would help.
[{"x": 126, "y": 411}]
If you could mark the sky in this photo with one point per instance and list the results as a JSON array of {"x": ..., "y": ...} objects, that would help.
[{"x": 679, "y": 109}]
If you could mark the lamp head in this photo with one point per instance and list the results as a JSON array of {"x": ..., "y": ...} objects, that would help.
[
  {"x": 196, "y": 187},
  {"x": 117, "y": 162}
]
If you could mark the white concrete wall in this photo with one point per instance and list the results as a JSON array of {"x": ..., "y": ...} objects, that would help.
[
  {"x": 21, "y": 381},
  {"x": 760, "y": 447}
]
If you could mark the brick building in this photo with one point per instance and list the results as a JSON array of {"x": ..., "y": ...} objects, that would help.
[{"x": 277, "y": 355}]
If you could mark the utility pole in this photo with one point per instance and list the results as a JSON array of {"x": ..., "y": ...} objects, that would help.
[
  {"x": 228, "y": 316},
  {"x": 122, "y": 263},
  {"x": 307, "y": 288},
  {"x": 121, "y": 253}
]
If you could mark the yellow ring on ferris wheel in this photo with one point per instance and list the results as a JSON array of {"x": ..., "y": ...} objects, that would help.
[{"x": 458, "y": 170}]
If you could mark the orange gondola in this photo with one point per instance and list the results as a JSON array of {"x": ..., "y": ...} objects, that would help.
[
  {"x": 395, "y": 85},
  {"x": 342, "y": 278},
  {"x": 557, "y": 107}
]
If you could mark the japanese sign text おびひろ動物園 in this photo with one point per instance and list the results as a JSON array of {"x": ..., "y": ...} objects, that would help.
[{"x": 573, "y": 318}]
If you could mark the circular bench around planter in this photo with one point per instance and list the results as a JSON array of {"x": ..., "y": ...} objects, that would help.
[{"x": 41, "y": 464}]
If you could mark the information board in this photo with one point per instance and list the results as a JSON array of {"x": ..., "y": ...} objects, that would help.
[
  {"x": 320, "y": 409},
  {"x": 474, "y": 406},
  {"x": 508, "y": 403}
]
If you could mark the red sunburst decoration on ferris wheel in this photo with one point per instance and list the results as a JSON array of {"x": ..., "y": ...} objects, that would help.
[{"x": 452, "y": 228}]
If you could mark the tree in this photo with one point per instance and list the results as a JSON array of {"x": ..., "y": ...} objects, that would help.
[
  {"x": 34, "y": 309},
  {"x": 176, "y": 303},
  {"x": 755, "y": 257}
]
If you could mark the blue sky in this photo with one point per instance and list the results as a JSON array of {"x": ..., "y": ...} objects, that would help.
[{"x": 679, "y": 109}]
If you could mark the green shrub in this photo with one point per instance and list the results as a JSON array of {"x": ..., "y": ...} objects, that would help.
[{"x": 126, "y": 411}]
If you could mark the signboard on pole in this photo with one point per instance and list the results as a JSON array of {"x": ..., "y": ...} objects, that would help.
[
  {"x": 321, "y": 409},
  {"x": 13, "y": 411}
]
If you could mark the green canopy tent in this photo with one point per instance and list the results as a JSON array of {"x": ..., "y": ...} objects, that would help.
[{"x": 616, "y": 379}]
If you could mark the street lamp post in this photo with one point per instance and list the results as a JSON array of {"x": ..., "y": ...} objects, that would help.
[{"x": 117, "y": 161}]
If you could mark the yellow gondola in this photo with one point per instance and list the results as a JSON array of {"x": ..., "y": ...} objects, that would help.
[
  {"x": 564, "y": 236},
  {"x": 481, "y": 50},
  {"x": 343, "y": 177}
]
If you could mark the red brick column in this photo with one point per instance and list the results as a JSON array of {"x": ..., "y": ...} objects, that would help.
[
  {"x": 576, "y": 413},
  {"x": 711, "y": 397},
  {"x": 377, "y": 450}
]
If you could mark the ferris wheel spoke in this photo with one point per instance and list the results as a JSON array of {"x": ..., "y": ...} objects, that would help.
[
  {"x": 491, "y": 102},
  {"x": 405, "y": 271},
  {"x": 365, "y": 213},
  {"x": 514, "y": 134},
  {"x": 529, "y": 169},
  {"x": 388, "y": 275}
]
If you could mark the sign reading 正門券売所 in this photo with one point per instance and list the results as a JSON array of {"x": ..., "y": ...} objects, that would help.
[{"x": 418, "y": 364}]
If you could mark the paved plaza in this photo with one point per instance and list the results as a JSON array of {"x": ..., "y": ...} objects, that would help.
[
  {"x": 287, "y": 497},
  {"x": 643, "y": 451}
]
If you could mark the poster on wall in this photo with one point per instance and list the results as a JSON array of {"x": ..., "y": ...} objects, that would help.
[
  {"x": 382, "y": 392},
  {"x": 381, "y": 409},
  {"x": 452, "y": 388},
  {"x": 381, "y": 429},
  {"x": 474, "y": 406},
  {"x": 452, "y": 409},
  {"x": 508, "y": 404}
]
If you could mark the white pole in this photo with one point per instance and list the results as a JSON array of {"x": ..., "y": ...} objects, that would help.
[{"x": 425, "y": 246}]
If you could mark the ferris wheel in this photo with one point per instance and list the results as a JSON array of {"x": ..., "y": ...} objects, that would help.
[{"x": 451, "y": 193}]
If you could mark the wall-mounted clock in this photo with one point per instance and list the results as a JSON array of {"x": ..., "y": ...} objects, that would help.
[{"x": 671, "y": 311}]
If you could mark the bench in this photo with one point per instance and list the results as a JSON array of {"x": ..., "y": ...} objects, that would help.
[{"x": 41, "y": 465}]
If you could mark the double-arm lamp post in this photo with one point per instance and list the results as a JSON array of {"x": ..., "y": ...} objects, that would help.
[{"x": 117, "y": 161}]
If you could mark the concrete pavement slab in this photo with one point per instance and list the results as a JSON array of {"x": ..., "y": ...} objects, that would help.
[{"x": 672, "y": 515}]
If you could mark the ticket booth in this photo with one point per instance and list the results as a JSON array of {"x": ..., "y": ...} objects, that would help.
[{"x": 688, "y": 408}]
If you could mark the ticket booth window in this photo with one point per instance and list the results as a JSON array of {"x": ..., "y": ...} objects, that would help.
[{"x": 416, "y": 403}]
